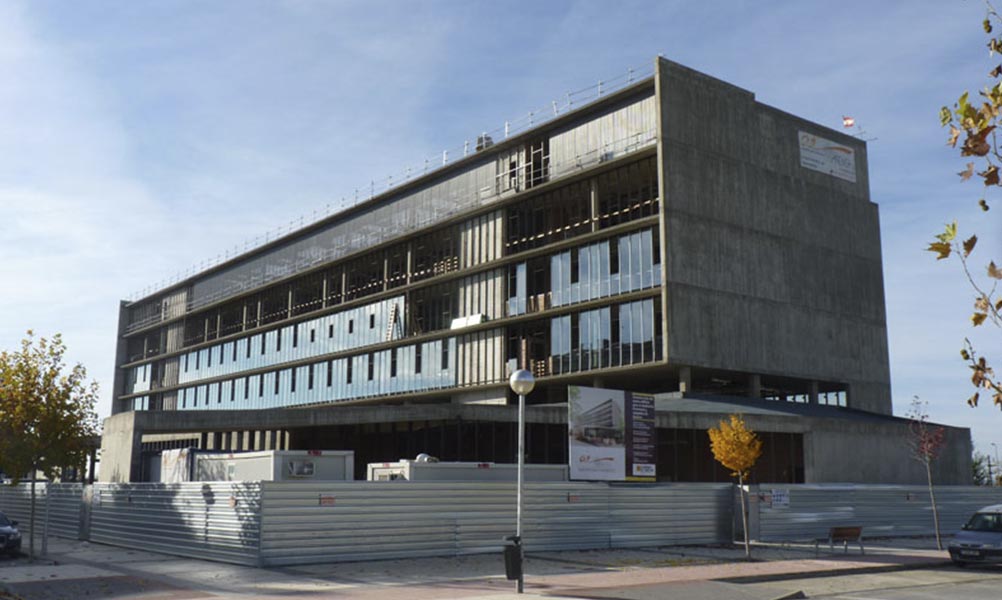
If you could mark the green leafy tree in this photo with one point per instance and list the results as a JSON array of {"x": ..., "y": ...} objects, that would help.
[
  {"x": 737, "y": 448},
  {"x": 46, "y": 413},
  {"x": 927, "y": 441},
  {"x": 972, "y": 123}
]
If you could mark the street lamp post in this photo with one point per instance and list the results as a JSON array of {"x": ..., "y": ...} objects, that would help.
[
  {"x": 521, "y": 382},
  {"x": 996, "y": 459}
]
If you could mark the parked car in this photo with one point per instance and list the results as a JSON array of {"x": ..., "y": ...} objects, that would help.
[
  {"x": 980, "y": 540},
  {"x": 10, "y": 537}
]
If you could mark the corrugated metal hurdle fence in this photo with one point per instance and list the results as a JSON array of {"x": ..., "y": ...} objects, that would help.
[
  {"x": 288, "y": 523},
  {"x": 63, "y": 500},
  {"x": 784, "y": 512},
  {"x": 306, "y": 523}
]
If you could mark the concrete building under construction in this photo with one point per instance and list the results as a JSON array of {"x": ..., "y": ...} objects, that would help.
[{"x": 673, "y": 237}]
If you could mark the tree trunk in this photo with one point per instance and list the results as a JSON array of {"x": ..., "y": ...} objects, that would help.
[
  {"x": 31, "y": 516},
  {"x": 932, "y": 498},
  {"x": 744, "y": 513}
]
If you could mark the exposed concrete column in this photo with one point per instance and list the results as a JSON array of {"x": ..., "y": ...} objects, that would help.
[
  {"x": 754, "y": 385},
  {"x": 258, "y": 442},
  {"x": 344, "y": 284},
  {"x": 234, "y": 441},
  {"x": 121, "y": 448},
  {"x": 323, "y": 293},
  {"x": 288, "y": 312},
  {"x": 243, "y": 325},
  {"x": 245, "y": 445},
  {"x": 269, "y": 440},
  {"x": 257, "y": 323},
  {"x": 594, "y": 203},
  {"x": 410, "y": 261},
  {"x": 685, "y": 379},
  {"x": 286, "y": 436},
  {"x": 812, "y": 394},
  {"x": 386, "y": 271},
  {"x": 210, "y": 441}
]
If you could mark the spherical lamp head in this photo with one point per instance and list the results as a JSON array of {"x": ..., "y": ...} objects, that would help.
[{"x": 522, "y": 382}]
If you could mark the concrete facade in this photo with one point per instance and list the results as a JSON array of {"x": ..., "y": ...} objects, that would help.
[
  {"x": 771, "y": 269},
  {"x": 665, "y": 237}
]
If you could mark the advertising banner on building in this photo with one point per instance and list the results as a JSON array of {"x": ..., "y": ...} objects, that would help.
[
  {"x": 826, "y": 156},
  {"x": 611, "y": 435}
]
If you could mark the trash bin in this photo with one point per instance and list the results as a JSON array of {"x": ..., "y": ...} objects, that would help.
[{"x": 512, "y": 557}]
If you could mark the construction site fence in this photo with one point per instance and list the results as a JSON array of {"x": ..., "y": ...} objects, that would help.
[
  {"x": 294, "y": 523},
  {"x": 785, "y": 512}
]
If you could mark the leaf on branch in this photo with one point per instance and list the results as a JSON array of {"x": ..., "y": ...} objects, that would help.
[
  {"x": 993, "y": 271},
  {"x": 990, "y": 175},
  {"x": 949, "y": 232},
  {"x": 945, "y": 116},
  {"x": 983, "y": 205},
  {"x": 981, "y": 304},
  {"x": 978, "y": 318},
  {"x": 965, "y": 354},
  {"x": 998, "y": 305},
  {"x": 973, "y": 400},
  {"x": 987, "y": 25},
  {"x": 943, "y": 249},
  {"x": 969, "y": 171},
  {"x": 976, "y": 144},
  {"x": 969, "y": 244},
  {"x": 952, "y": 142},
  {"x": 996, "y": 71}
]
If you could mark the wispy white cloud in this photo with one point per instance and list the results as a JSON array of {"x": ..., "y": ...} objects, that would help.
[{"x": 142, "y": 138}]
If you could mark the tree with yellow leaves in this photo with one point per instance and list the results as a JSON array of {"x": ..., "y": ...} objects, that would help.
[
  {"x": 46, "y": 413},
  {"x": 738, "y": 449}
]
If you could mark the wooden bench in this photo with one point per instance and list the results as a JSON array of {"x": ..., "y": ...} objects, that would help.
[{"x": 844, "y": 535}]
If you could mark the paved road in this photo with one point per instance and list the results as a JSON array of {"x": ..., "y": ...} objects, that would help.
[
  {"x": 77, "y": 570},
  {"x": 918, "y": 584},
  {"x": 974, "y": 583}
]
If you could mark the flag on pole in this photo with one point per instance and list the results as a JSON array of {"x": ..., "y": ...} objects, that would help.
[{"x": 848, "y": 121}]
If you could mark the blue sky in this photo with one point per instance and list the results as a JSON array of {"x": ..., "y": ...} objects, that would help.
[{"x": 139, "y": 139}]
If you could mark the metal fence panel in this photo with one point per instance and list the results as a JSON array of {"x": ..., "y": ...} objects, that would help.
[
  {"x": 882, "y": 510},
  {"x": 303, "y": 523},
  {"x": 670, "y": 514},
  {"x": 64, "y": 509},
  {"x": 15, "y": 502},
  {"x": 64, "y": 506},
  {"x": 215, "y": 521}
]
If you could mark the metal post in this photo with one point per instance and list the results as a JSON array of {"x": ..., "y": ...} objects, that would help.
[
  {"x": 521, "y": 382},
  {"x": 996, "y": 457},
  {"x": 45, "y": 523},
  {"x": 520, "y": 584}
]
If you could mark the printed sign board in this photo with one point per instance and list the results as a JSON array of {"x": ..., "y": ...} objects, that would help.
[
  {"x": 611, "y": 435},
  {"x": 826, "y": 156},
  {"x": 780, "y": 498}
]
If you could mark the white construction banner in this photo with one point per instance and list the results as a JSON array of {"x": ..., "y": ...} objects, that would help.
[
  {"x": 610, "y": 435},
  {"x": 826, "y": 156}
]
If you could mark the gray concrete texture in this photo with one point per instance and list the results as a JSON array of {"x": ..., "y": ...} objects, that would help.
[{"x": 771, "y": 268}]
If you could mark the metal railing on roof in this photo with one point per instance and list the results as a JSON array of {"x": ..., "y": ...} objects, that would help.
[
  {"x": 604, "y": 153},
  {"x": 532, "y": 118}
]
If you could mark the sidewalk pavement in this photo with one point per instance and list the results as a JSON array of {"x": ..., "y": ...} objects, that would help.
[{"x": 80, "y": 569}]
